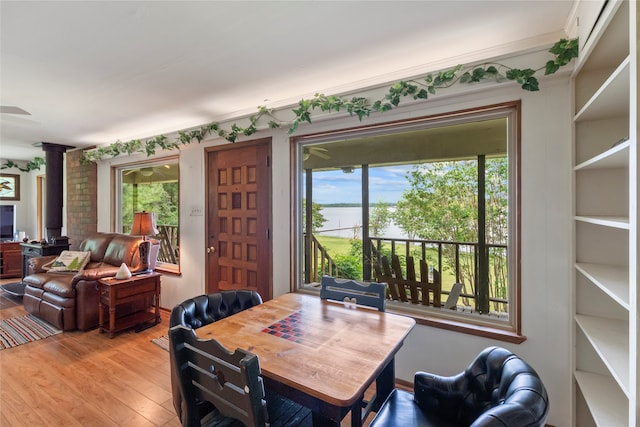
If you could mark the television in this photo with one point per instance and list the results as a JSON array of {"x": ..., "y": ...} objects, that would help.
[{"x": 7, "y": 222}]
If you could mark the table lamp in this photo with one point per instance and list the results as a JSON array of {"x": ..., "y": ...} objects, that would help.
[{"x": 144, "y": 224}]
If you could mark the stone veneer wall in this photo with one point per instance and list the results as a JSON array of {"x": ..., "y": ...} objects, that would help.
[{"x": 82, "y": 198}]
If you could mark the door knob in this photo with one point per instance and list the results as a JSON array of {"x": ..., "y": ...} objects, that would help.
[{"x": 211, "y": 249}]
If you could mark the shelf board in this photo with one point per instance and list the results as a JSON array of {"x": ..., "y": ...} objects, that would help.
[
  {"x": 606, "y": 402},
  {"x": 608, "y": 101},
  {"x": 610, "y": 340},
  {"x": 608, "y": 221},
  {"x": 607, "y": 39},
  {"x": 615, "y": 157},
  {"x": 613, "y": 280}
]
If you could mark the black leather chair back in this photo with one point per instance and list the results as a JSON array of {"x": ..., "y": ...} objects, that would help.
[
  {"x": 498, "y": 388},
  {"x": 204, "y": 309}
]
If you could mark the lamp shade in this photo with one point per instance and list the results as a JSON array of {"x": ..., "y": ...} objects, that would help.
[{"x": 144, "y": 224}]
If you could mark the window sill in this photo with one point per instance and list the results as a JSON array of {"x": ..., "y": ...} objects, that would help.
[
  {"x": 450, "y": 323},
  {"x": 455, "y": 325},
  {"x": 477, "y": 325},
  {"x": 171, "y": 269}
]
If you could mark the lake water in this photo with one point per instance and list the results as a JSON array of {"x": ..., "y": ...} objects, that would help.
[{"x": 341, "y": 221}]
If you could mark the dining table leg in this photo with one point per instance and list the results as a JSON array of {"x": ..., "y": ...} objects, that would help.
[
  {"x": 356, "y": 414},
  {"x": 385, "y": 383}
]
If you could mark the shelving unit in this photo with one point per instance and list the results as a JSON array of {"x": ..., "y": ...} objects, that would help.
[{"x": 606, "y": 245}]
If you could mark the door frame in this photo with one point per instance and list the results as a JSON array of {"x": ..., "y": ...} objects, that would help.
[{"x": 267, "y": 141}]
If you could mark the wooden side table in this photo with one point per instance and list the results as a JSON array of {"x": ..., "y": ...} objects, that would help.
[
  {"x": 130, "y": 302},
  {"x": 10, "y": 259}
]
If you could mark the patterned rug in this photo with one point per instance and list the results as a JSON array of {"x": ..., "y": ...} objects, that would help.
[
  {"x": 21, "y": 330},
  {"x": 162, "y": 342}
]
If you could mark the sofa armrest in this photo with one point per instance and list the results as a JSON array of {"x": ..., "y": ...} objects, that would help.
[
  {"x": 87, "y": 304},
  {"x": 93, "y": 274},
  {"x": 35, "y": 264}
]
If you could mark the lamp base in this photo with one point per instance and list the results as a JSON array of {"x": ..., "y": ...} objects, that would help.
[{"x": 145, "y": 255}]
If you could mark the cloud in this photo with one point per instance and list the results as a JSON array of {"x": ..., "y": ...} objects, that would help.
[{"x": 385, "y": 184}]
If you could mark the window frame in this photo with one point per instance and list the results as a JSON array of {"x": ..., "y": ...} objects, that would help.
[
  {"x": 508, "y": 331},
  {"x": 117, "y": 173}
]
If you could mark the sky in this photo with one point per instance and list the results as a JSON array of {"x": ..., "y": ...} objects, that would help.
[{"x": 386, "y": 184}]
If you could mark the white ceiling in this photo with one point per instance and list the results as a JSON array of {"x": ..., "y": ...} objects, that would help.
[{"x": 91, "y": 73}]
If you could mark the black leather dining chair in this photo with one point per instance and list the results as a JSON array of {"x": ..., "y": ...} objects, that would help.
[
  {"x": 203, "y": 310},
  {"x": 498, "y": 389}
]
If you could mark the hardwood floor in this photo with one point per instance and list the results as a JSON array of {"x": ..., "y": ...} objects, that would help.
[{"x": 87, "y": 379}]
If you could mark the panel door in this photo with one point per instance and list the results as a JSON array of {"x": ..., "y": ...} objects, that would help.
[{"x": 239, "y": 218}]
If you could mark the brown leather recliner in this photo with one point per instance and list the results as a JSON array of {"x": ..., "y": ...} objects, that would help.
[{"x": 70, "y": 300}]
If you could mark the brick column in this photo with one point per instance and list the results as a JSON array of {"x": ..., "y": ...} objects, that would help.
[{"x": 82, "y": 198}]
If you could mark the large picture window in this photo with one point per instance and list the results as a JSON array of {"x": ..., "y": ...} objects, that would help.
[
  {"x": 428, "y": 206},
  {"x": 153, "y": 187}
]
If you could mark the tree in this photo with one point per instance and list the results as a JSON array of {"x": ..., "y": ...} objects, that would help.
[
  {"x": 442, "y": 204},
  {"x": 159, "y": 198},
  {"x": 317, "y": 219},
  {"x": 379, "y": 218}
]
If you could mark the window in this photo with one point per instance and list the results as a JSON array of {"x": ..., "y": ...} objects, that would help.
[
  {"x": 153, "y": 187},
  {"x": 436, "y": 198}
]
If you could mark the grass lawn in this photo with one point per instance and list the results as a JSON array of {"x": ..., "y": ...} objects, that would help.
[
  {"x": 342, "y": 246},
  {"x": 335, "y": 245}
]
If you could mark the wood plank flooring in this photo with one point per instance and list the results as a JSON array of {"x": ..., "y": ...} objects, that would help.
[{"x": 86, "y": 379}]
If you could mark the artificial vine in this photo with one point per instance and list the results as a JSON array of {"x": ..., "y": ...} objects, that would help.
[
  {"x": 30, "y": 166},
  {"x": 564, "y": 51}
]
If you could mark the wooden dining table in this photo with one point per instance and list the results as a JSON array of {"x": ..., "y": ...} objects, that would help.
[{"x": 321, "y": 354}]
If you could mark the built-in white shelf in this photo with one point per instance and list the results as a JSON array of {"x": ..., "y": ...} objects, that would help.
[
  {"x": 613, "y": 280},
  {"x": 605, "y": 191},
  {"x": 608, "y": 101},
  {"x": 607, "y": 221},
  {"x": 610, "y": 340},
  {"x": 607, "y": 404},
  {"x": 615, "y": 157}
]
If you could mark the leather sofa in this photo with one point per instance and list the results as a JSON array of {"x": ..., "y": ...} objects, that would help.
[
  {"x": 498, "y": 389},
  {"x": 199, "y": 311},
  {"x": 70, "y": 300}
]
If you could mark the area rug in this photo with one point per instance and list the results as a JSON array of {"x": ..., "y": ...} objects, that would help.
[
  {"x": 162, "y": 342},
  {"x": 21, "y": 330}
]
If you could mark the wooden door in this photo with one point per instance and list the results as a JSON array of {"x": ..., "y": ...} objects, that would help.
[{"x": 239, "y": 218}]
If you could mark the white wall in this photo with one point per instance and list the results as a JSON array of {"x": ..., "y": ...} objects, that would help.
[
  {"x": 545, "y": 216},
  {"x": 26, "y": 209}
]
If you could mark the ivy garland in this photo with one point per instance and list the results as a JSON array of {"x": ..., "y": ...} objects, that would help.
[
  {"x": 564, "y": 51},
  {"x": 30, "y": 166}
]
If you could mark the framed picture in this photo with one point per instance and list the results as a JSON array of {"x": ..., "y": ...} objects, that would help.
[{"x": 9, "y": 186}]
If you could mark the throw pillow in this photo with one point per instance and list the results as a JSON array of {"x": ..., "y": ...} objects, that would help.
[{"x": 69, "y": 261}]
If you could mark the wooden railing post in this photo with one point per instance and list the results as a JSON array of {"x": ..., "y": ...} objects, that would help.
[{"x": 397, "y": 282}]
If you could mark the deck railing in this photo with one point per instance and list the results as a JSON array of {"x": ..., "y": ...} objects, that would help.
[
  {"x": 169, "y": 238},
  {"x": 320, "y": 263},
  {"x": 458, "y": 262}
]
